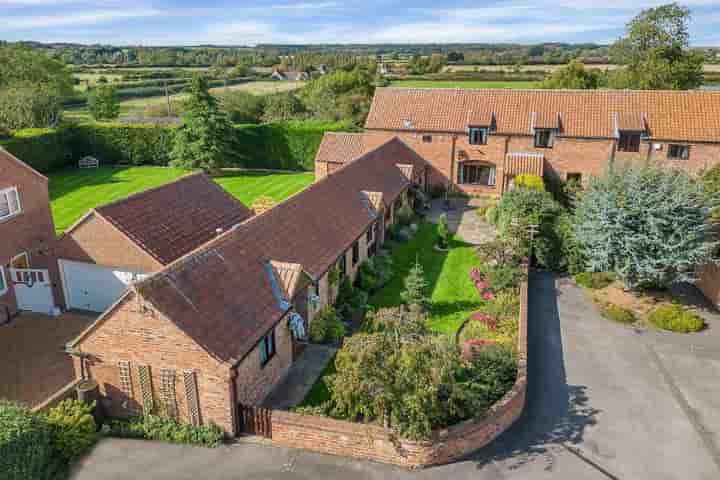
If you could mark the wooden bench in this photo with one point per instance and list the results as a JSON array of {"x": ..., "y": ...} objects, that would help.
[{"x": 88, "y": 162}]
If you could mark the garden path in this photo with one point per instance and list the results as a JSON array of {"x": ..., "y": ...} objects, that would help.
[
  {"x": 463, "y": 219},
  {"x": 300, "y": 378}
]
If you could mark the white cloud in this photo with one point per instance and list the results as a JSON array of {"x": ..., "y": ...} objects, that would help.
[{"x": 71, "y": 19}]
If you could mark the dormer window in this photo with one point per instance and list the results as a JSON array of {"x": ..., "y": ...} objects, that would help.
[
  {"x": 9, "y": 203},
  {"x": 478, "y": 136},
  {"x": 544, "y": 138},
  {"x": 629, "y": 142}
]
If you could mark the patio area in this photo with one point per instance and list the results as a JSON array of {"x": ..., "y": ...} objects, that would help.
[{"x": 33, "y": 362}]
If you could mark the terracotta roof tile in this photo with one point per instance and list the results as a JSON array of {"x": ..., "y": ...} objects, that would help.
[
  {"x": 681, "y": 115},
  {"x": 221, "y": 294},
  {"x": 344, "y": 147},
  {"x": 176, "y": 218}
]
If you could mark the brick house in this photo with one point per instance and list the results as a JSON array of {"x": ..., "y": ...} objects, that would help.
[
  {"x": 115, "y": 244},
  {"x": 217, "y": 327},
  {"x": 478, "y": 140},
  {"x": 29, "y": 278}
]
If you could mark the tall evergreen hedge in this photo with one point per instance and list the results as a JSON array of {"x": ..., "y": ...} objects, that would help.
[{"x": 290, "y": 146}]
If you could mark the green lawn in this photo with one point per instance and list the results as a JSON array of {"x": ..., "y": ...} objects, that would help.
[
  {"x": 462, "y": 84},
  {"x": 452, "y": 295},
  {"x": 73, "y": 192}
]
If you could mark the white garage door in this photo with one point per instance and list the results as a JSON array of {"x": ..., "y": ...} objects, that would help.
[{"x": 93, "y": 287}]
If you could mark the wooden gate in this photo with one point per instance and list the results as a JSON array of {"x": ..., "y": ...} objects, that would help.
[{"x": 255, "y": 421}]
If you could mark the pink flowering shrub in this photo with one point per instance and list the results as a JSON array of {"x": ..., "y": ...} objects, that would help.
[{"x": 473, "y": 347}]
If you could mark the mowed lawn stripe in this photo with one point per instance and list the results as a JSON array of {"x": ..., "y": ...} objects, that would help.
[{"x": 74, "y": 192}]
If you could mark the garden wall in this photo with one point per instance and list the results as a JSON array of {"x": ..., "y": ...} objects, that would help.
[
  {"x": 370, "y": 442},
  {"x": 290, "y": 146}
]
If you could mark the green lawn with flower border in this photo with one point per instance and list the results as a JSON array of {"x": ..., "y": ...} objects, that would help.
[{"x": 452, "y": 295}]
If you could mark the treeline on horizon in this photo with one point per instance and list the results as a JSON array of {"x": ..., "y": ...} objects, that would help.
[{"x": 268, "y": 55}]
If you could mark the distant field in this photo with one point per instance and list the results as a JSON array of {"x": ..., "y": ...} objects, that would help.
[
  {"x": 546, "y": 68},
  {"x": 137, "y": 106},
  {"x": 74, "y": 192},
  {"x": 461, "y": 84}
]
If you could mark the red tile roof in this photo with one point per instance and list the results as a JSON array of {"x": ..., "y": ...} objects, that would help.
[
  {"x": 222, "y": 296},
  {"x": 343, "y": 147},
  {"x": 681, "y": 115},
  {"x": 174, "y": 219}
]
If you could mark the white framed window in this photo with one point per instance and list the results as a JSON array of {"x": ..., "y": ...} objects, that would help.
[
  {"x": 477, "y": 136},
  {"x": 9, "y": 203},
  {"x": 3, "y": 282},
  {"x": 544, "y": 138}
]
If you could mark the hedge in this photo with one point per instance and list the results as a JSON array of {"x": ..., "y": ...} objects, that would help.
[
  {"x": 26, "y": 450},
  {"x": 289, "y": 146}
]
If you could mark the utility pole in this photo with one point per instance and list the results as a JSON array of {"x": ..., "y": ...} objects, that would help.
[{"x": 167, "y": 96}]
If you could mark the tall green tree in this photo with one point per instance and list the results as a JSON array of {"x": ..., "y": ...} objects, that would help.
[
  {"x": 655, "y": 52},
  {"x": 204, "y": 139},
  {"x": 32, "y": 87},
  {"x": 339, "y": 96},
  {"x": 103, "y": 103},
  {"x": 574, "y": 76},
  {"x": 649, "y": 225}
]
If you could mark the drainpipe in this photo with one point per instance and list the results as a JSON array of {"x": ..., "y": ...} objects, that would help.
[
  {"x": 452, "y": 171},
  {"x": 82, "y": 356}
]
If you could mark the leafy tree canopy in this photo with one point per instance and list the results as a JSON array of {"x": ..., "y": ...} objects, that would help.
[
  {"x": 33, "y": 67},
  {"x": 574, "y": 76},
  {"x": 649, "y": 225},
  {"x": 656, "y": 52},
  {"x": 203, "y": 141},
  {"x": 103, "y": 103},
  {"x": 340, "y": 95}
]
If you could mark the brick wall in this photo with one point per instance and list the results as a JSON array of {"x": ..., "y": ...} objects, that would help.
[
  {"x": 254, "y": 381},
  {"x": 97, "y": 241},
  {"x": 586, "y": 156},
  {"x": 709, "y": 283},
  {"x": 128, "y": 333},
  {"x": 371, "y": 442},
  {"x": 32, "y": 231}
]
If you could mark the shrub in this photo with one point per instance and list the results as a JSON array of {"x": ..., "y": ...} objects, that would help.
[
  {"x": 502, "y": 278},
  {"x": 595, "y": 280},
  {"x": 73, "y": 425},
  {"x": 405, "y": 215},
  {"x": 649, "y": 225},
  {"x": 152, "y": 427},
  {"x": 415, "y": 292},
  {"x": 472, "y": 348},
  {"x": 491, "y": 215},
  {"x": 437, "y": 191},
  {"x": 375, "y": 273},
  {"x": 443, "y": 232},
  {"x": 530, "y": 181},
  {"x": 676, "y": 318},
  {"x": 350, "y": 299},
  {"x": 520, "y": 208},
  {"x": 26, "y": 450},
  {"x": 504, "y": 305},
  {"x": 326, "y": 326},
  {"x": 618, "y": 313}
]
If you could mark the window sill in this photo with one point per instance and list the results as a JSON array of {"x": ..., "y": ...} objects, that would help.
[{"x": 10, "y": 217}]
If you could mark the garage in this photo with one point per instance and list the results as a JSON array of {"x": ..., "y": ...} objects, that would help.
[{"x": 92, "y": 287}]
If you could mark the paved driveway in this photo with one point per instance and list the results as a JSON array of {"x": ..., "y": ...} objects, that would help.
[
  {"x": 33, "y": 362},
  {"x": 604, "y": 402}
]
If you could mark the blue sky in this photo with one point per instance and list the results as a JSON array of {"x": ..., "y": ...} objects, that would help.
[{"x": 192, "y": 22}]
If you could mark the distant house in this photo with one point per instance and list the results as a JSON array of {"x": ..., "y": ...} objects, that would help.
[
  {"x": 290, "y": 76},
  {"x": 29, "y": 277},
  {"x": 117, "y": 244}
]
